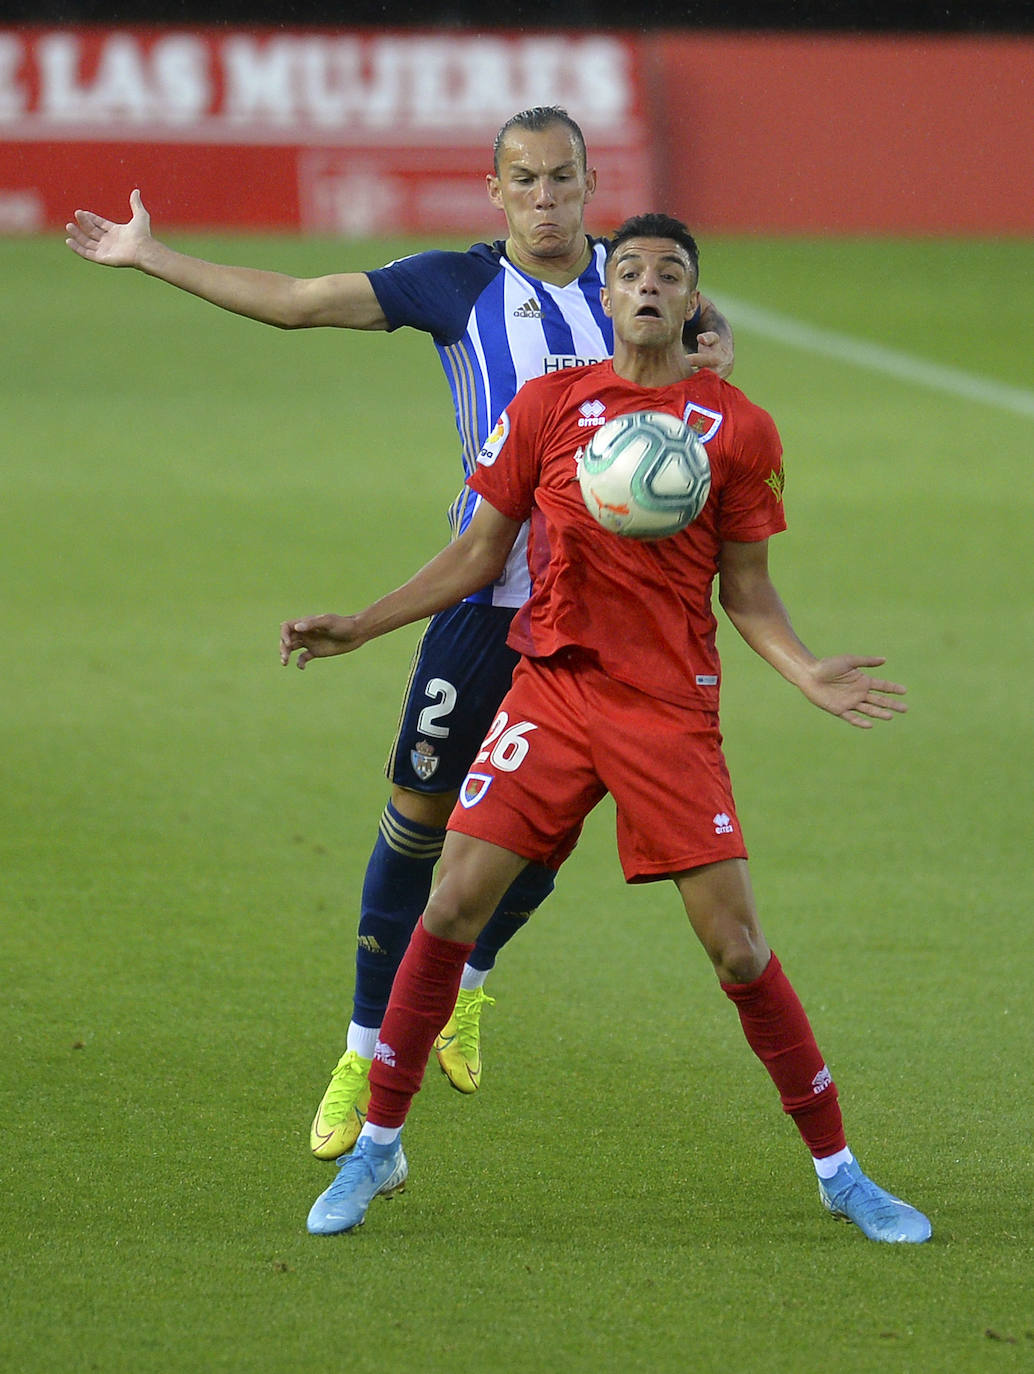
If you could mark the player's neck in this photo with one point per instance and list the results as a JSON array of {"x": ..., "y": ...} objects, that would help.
[
  {"x": 558, "y": 271},
  {"x": 651, "y": 367}
]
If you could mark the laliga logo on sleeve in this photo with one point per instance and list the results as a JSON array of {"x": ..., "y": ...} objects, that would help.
[{"x": 490, "y": 449}]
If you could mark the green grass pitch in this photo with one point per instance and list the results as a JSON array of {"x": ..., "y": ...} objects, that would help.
[{"x": 185, "y": 825}]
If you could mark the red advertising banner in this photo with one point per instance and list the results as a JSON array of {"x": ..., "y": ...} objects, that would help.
[
  {"x": 821, "y": 133},
  {"x": 380, "y": 131},
  {"x": 359, "y": 132}
]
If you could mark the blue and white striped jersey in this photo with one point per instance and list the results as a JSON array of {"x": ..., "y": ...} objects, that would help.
[{"x": 494, "y": 328}]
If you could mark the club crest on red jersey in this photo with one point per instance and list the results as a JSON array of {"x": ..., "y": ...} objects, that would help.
[
  {"x": 702, "y": 421},
  {"x": 475, "y": 785}
]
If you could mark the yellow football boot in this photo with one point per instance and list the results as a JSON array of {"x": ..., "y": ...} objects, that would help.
[
  {"x": 458, "y": 1045},
  {"x": 340, "y": 1116}
]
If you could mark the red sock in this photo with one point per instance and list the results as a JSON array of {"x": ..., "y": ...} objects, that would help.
[
  {"x": 779, "y": 1033},
  {"x": 422, "y": 998}
]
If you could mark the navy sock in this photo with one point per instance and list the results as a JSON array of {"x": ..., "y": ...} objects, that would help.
[
  {"x": 523, "y": 897},
  {"x": 395, "y": 892}
]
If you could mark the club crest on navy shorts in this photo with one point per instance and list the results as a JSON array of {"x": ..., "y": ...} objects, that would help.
[
  {"x": 424, "y": 760},
  {"x": 475, "y": 785}
]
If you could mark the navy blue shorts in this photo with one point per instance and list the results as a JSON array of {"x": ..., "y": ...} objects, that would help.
[{"x": 460, "y": 673}]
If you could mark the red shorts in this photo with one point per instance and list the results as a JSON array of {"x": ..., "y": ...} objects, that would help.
[{"x": 567, "y": 734}]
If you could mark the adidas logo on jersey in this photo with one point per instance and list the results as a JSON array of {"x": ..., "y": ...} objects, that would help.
[{"x": 530, "y": 310}]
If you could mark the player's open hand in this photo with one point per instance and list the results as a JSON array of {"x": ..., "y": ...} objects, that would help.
[
  {"x": 114, "y": 245},
  {"x": 318, "y": 636},
  {"x": 712, "y": 352},
  {"x": 840, "y": 686}
]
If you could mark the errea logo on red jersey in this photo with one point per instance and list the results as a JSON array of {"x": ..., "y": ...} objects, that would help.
[{"x": 592, "y": 413}]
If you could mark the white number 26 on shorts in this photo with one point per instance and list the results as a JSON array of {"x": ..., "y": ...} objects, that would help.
[{"x": 505, "y": 745}]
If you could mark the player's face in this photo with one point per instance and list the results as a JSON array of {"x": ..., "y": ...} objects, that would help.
[
  {"x": 542, "y": 187},
  {"x": 650, "y": 292}
]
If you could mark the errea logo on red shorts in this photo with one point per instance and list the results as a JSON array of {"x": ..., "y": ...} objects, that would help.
[{"x": 723, "y": 824}]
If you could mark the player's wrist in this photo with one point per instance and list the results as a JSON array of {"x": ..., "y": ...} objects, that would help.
[
  {"x": 800, "y": 670},
  {"x": 369, "y": 624},
  {"x": 151, "y": 256}
]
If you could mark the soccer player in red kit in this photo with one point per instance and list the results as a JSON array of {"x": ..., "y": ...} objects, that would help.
[{"x": 616, "y": 691}]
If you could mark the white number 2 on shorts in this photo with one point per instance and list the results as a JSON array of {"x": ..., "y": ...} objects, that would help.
[{"x": 445, "y": 694}]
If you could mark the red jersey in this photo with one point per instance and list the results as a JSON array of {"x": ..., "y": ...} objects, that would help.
[{"x": 644, "y": 609}]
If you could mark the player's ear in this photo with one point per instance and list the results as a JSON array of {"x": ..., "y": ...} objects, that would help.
[
  {"x": 492, "y": 186},
  {"x": 693, "y": 304},
  {"x": 605, "y": 300},
  {"x": 590, "y": 182}
]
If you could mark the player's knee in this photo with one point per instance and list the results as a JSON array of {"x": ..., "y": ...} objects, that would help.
[
  {"x": 458, "y": 908},
  {"x": 432, "y": 809},
  {"x": 451, "y": 917},
  {"x": 739, "y": 956}
]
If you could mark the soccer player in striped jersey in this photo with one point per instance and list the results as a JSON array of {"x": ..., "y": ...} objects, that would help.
[{"x": 498, "y": 314}]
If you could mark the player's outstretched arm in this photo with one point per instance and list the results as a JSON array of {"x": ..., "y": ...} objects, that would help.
[
  {"x": 715, "y": 347},
  {"x": 838, "y": 684},
  {"x": 345, "y": 300},
  {"x": 114, "y": 245},
  {"x": 318, "y": 636},
  {"x": 466, "y": 565}
]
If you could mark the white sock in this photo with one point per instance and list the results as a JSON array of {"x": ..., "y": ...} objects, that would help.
[
  {"x": 380, "y": 1135},
  {"x": 827, "y": 1167},
  {"x": 473, "y": 978},
  {"x": 362, "y": 1039}
]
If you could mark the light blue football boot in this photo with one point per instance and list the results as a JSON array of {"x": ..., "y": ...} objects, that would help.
[
  {"x": 850, "y": 1195},
  {"x": 369, "y": 1171}
]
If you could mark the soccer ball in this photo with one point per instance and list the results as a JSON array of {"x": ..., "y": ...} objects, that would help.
[{"x": 645, "y": 475}]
